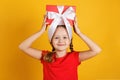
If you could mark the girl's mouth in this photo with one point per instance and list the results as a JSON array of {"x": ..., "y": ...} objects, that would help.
[{"x": 60, "y": 44}]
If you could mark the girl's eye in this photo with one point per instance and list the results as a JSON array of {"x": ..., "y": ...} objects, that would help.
[
  {"x": 56, "y": 37},
  {"x": 65, "y": 37}
]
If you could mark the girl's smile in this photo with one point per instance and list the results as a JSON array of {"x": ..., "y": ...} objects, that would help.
[{"x": 61, "y": 44}]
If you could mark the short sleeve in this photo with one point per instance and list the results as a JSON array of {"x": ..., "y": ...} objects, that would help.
[
  {"x": 76, "y": 56},
  {"x": 44, "y": 52}
]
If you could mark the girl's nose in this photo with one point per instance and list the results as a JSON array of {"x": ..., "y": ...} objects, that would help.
[{"x": 60, "y": 40}]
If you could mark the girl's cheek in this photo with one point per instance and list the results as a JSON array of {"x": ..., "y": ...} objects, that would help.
[{"x": 55, "y": 41}]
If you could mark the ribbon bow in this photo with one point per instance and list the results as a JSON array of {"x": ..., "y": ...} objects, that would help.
[{"x": 61, "y": 18}]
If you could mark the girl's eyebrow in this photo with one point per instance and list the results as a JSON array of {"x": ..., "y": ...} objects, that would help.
[
  {"x": 56, "y": 35},
  {"x": 60, "y": 35}
]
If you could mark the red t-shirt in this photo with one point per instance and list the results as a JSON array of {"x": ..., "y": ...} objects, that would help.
[{"x": 64, "y": 68}]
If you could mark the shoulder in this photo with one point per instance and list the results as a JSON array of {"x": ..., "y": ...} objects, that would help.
[
  {"x": 44, "y": 52},
  {"x": 75, "y": 56}
]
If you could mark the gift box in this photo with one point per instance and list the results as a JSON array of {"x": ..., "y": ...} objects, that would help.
[
  {"x": 55, "y": 12},
  {"x": 60, "y": 15}
]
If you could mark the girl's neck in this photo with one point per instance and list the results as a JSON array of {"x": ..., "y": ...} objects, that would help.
[{"x": 60, "y": 53}]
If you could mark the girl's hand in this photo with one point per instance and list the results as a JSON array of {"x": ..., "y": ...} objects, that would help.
[
  {"x": 75, "y": 27},
  {"x": 44, "y": 24}
]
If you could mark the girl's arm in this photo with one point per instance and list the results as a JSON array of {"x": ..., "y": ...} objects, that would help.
[
  {"x": 94, "y": 49},
  {"x": 26, "y": 44}
]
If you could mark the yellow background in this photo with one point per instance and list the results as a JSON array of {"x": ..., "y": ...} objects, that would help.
[{"x": 98, "y": 19}]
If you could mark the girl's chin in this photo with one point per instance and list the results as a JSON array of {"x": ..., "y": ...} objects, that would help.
[{"x": 60, "y": 49}]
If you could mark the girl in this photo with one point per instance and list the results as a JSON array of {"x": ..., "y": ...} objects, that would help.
[{"x": 60, "y": 64}]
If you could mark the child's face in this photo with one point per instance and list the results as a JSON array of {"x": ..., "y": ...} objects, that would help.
[{"x": 60, "y": 40}]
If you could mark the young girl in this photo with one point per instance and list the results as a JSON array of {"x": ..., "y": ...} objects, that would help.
[{"x": 59, "y": 64}]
